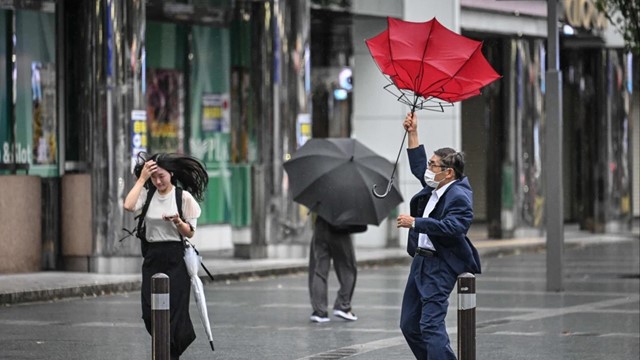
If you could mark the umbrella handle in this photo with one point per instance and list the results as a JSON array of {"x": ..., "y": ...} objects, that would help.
[
  {"x": 393, "y": 173},
  {"x": 395, "y": 166},
  {"x": 383, "y": 195}
]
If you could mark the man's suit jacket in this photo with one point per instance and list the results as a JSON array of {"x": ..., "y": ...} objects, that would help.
[{"x": 449, "y": 221}]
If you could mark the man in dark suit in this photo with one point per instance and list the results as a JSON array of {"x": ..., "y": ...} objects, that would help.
[{"x": 440, "y": 216}]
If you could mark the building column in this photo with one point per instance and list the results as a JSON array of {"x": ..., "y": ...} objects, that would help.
[
  {"x": 120, "y": 92},
  {"x": 105, "y": 39},
  {"x": 278, "y": 50}
]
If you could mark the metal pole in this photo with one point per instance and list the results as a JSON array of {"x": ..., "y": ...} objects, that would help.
[
  {"x": 11, "y": 66},
  {"x": 160, "y": 317},
  {"x": 466, "y": 316},
  {"x": 554, "y": 200}
]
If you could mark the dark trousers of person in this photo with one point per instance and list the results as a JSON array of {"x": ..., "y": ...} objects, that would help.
[
  {"x": 327, "y": 245},
  {"x": 168, "y": 258},
  {"x": 424, "y": 308}
]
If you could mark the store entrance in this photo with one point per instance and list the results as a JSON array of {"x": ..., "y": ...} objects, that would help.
[
  {"x": 597, "y": 158},
  {"x": 580, "y": 113}
]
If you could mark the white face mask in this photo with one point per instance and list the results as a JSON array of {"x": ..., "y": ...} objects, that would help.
[{"x": 429, "y": 178}]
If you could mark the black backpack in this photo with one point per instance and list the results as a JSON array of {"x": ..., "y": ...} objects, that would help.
[{"x": 140, "y": 231}]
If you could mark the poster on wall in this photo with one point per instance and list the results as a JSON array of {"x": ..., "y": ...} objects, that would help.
[
  {"x": 215, "y": 113},
  {"x": 165, "y": 110},
  {"x": 43, "y": 91},
  {"x": 303, "y": 128},
  {"x": 138, "y": 134}
]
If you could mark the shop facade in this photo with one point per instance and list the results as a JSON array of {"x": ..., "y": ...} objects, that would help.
[
  {"x": 29, "y": 135},
  {"x": 85, "y": 86},
  {"x": 502, "y": 130},
  {"x": 88, "y": 85},
  {"x": 598, "y": 82}
]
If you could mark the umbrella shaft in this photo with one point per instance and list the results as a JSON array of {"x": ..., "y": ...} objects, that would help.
[{"x": 395, "y": 166}]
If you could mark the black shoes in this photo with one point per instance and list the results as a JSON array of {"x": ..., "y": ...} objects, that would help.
[{"x": 317, "y": 317}]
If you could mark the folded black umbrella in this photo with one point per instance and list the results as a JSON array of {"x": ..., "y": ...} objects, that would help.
[{"x": 334, "y": 176}]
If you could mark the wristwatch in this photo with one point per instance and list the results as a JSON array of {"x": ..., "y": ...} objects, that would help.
[{"x": 413, "y": 224}]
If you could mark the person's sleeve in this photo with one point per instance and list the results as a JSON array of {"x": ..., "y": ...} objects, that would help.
[
  {"x": 140, "y": 202},
  {"x": 455, "y": 223},
  {"x": 418, "y": 163},
  {"x": 190, "y": 209}
]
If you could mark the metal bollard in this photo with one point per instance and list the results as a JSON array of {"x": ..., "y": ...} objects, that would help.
[
  {"x": 466, "y": 317},
  {"x": 160, "y": 319}
]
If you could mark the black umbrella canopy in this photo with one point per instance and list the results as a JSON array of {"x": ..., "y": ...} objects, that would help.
[{"x": 334, "y": 176}]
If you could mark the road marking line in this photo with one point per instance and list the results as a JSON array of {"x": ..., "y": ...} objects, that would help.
[
  {"x": 581, "y": 334},
  {"x": 538, "y": 315},
  {"x": 518, "y": 333},
  {"x": 552, "y": 312},
  {"x": 358, "y": 348}
]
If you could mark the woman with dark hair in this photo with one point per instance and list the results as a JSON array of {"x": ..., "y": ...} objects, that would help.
[{"x": 162, "y": 246}]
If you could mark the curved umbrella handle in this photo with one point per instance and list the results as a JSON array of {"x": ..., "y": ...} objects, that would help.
[
  {"x": 393, "y": 173},
  {"x": 383, "y": 195},
  {"x": 395, "y": 166}
]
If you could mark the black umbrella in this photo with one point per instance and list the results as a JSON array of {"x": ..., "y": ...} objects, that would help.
[{"x": 333, "y": 177}]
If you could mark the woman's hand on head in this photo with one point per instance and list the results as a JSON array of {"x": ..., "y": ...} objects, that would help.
[{"x": 148, "y": 169}]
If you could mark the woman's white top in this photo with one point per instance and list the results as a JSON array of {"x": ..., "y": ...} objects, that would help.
[{"x": 159, "y": 229}]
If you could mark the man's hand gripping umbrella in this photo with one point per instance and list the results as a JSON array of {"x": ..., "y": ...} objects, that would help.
[{"x": 429, "y": 67}]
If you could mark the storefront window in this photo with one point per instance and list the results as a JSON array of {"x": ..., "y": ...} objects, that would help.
[
  {"x": 166, "y": 54},
  {"x": 596, "y": 111},
  {"x": 29, "y": 138},
  {"x": 529, "y": 99},
  {"x": 210, "y": 122},
  {"x": 6, "y": 140},
  {"x": 188, "y": 108},
  {"x": 331, "y": 80},
  {"x": 618, "y": 191}
]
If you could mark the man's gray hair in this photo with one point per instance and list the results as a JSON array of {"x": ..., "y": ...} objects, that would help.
[{"x": 452, "y": 159}]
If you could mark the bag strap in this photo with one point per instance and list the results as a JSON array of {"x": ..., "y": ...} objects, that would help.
[
  {"x": 145, "y": 207},
  {"x": 179, "y": 205},
  {"x": 140, "y": 217}
]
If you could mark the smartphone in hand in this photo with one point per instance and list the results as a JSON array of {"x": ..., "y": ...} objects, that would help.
[{"x": 169, "y": 217}]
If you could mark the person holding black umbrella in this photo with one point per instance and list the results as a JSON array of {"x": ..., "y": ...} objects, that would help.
[
  {"x": 440, "y": 216},
  {"x": 332, "y": 242},
  {"x": 333, "y": 177}
]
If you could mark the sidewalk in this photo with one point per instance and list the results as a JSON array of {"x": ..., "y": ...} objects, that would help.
[{"x": 47, "y": 286}]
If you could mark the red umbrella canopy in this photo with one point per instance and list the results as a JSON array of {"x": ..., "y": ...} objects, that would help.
[{"x": 430, "y": 61}]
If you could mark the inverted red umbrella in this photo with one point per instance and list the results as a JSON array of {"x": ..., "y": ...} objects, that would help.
[{"x": 429, "y": 67}]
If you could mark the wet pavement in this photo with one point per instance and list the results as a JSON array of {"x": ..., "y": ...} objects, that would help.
[{"x": 597, "y": 316}]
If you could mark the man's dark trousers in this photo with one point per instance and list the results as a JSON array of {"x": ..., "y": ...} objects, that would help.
[
  {"x": 424, "y": 307},
  {"x": 325, "y": 246}
]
